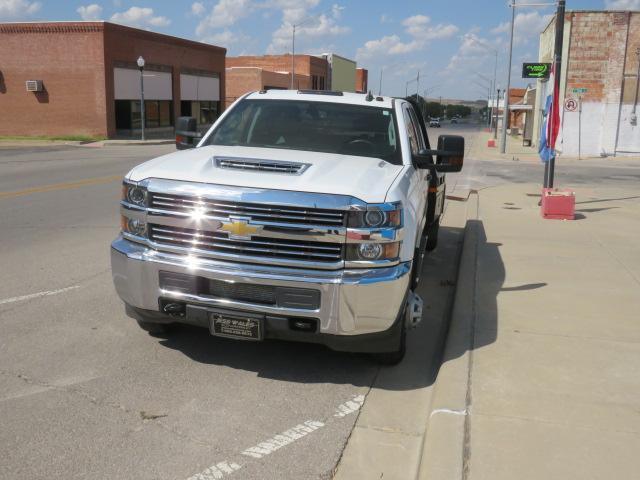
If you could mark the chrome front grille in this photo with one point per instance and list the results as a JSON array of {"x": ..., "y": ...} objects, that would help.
[
  {"x": 256, "y": 211},
  {"x": 219, "y": 244}
]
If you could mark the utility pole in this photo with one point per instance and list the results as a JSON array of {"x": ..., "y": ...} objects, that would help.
[
  {"x": 634, "y": 117},
  {"x": 380, "y": 87},
  {"x": 495, "y": 132},
  {"x": 505, "y": 115},
  {"x": 293, "y": 58},
  {"x": 557, "y": 58}
]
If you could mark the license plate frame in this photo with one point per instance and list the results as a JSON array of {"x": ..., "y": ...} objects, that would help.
[{"x": 238, "y": 326}]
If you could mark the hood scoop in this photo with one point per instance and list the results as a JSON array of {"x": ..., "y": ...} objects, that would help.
[{"x": 258, "y": 165}]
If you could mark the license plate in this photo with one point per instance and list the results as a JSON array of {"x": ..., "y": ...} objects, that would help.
[{"x": 238, "y": 327}]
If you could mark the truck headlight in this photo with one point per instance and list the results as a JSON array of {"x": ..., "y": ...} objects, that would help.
[
  {"x": 134, "y": 194},
  {"x": 376, "y": 216},
  {"x": 370, "y": 252}
]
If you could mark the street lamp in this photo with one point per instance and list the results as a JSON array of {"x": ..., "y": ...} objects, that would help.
[{"x": 140, "y": 63}]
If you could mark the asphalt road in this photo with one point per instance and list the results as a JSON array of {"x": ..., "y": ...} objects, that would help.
[{"x": 84, "y": 393}]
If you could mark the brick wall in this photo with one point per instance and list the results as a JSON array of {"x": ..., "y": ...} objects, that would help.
[
  {"x": 601, "y": 59},
  {"x": 68, "y": 58},
  {"x": 241, "y": 80}
]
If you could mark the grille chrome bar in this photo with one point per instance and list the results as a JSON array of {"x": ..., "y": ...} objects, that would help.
[
  {"x": 215, "y": 242},
  {"x": 258, "y": 212}
]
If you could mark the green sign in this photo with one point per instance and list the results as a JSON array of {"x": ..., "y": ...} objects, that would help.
[
  {"x": 536, "y": 70},
  {"x": 579, "y": 90}
]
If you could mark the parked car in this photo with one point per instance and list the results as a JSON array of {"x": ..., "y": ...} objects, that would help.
[
  {"x": 299, "y": 215},
  {"x": 454, "y": 120},
  {"x": 434, "y": 123}
]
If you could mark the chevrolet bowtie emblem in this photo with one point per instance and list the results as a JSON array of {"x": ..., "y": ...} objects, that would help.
[{"x": 240, "y": 229}]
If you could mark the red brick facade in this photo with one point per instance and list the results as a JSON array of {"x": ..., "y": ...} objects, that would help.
[
  {"x": 362, "y": 80},
  {"x": 241, "y": 80},
  {"x": 75, "y": 61}
]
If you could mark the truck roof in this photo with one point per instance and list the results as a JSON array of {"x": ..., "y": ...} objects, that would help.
[{"x": 323, "y": 96}]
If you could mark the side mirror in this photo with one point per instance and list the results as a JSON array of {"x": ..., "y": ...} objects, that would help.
[
  {"x": 451, "y": 158},
  {"x": 449, "y": 155},
  {"x": 186, "y": 133}
]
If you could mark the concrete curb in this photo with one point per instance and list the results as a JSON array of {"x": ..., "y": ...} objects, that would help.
[{"x": 445, "y": 443}]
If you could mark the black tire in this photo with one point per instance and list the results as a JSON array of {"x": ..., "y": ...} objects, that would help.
[
  {"x": 432, "y": 235},
  {"x": 153, "y": 328},
  {"x": 394, "y": 358},
  {"x": 418, "y": 262}
]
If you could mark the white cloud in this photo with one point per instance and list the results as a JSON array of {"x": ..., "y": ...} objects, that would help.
[
  {"x": 418, "y": 27},
  {"x": 384, "y": 18},
  {"x": 224, "y": 14},
  {"x": 198, "y": 9},
  {"x": 473, "y": 51},
  {"x": 295, "y": 12},
  {"x": 226, "y": 38},
  {"x": 90, "y": 12},
  {"x": 141, "y": 17},
  {"x": 527, "y": 27},
  {"x": 16, "y": 9},
  {"x": 622, "y": 4}
]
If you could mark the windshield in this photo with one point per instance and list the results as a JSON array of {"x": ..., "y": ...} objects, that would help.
[{"x": 311, "y": 126}]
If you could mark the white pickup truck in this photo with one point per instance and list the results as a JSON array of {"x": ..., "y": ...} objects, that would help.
[{"x": 300, "y": 215}]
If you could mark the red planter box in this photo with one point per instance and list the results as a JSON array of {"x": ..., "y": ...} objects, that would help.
[{"x": 558, "y": 204}]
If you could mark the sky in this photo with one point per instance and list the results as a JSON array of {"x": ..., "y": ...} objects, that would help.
[{"x": 451, "y": 43}]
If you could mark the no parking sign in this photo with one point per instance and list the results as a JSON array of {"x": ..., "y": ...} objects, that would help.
[{"x": 571, "y": 104}]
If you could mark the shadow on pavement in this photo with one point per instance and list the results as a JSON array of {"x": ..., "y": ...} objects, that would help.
[
  {"x": 475, "y": 324},
  {"x": 309, "y": 363}
]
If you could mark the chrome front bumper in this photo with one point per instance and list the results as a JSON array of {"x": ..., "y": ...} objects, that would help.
[{"x": 353, "y": 302}]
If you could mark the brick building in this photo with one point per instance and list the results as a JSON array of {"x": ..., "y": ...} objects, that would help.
[
  {"x": 315, "y": 68},
  {"x": 600, "y": 55},
  {"x": 323, "y": 72},
  {"x": 89, "y": 84},
  {"x": 516, "y": 108}
]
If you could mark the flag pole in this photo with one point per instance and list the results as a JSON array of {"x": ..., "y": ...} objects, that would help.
[{"x": 557, "y": 58}]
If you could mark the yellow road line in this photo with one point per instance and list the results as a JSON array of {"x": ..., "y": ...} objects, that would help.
[{"x": 60, "y": 186}]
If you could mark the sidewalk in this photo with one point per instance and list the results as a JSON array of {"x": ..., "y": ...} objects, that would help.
[
  {"x": 547, "y": 313},
  {"x": 517, "y": 151}
]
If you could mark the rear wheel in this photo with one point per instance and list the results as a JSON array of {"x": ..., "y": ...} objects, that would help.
[{"x": 418, "y": 262}]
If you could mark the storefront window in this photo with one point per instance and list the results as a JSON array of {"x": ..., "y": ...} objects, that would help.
[{"x": 158, "y": 113}]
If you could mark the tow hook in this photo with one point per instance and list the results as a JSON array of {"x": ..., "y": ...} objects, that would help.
[{"x": 414, "y": 310}]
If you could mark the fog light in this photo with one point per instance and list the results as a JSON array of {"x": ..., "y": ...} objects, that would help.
[
  {"x": 134, "y": 226},
  {"x": 370, "y": 251}
]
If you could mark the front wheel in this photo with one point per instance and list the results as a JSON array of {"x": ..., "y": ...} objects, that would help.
[
  {"x": 432, "y": 235},
  {"x": 395, "y": 357}
]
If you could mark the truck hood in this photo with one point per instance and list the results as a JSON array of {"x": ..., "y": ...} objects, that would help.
[{"x": 362, "y": 177}]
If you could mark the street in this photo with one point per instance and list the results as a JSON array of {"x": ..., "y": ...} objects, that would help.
[{"x": 85, "y": 393}]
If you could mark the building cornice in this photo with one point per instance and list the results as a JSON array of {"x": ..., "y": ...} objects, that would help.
[{"x": 54, "y": 27}]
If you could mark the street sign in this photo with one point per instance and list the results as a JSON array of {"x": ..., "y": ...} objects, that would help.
[
  {"x": 571, "y": 104},
  {"x": 536, "y": 70},
  {"x": 579, "y": 91}
]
